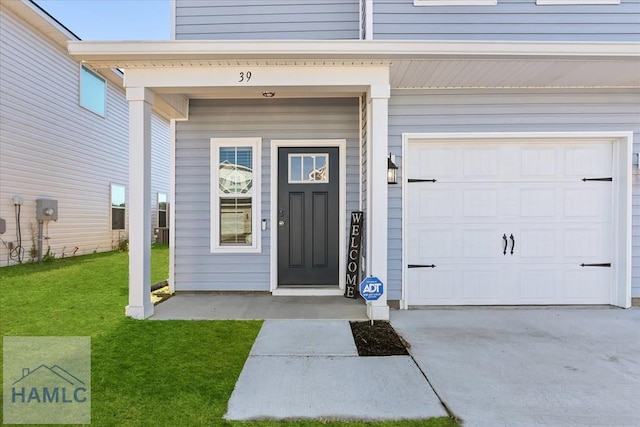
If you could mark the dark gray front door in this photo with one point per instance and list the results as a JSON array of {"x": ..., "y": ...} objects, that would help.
[{"x": 308, "y": 200}]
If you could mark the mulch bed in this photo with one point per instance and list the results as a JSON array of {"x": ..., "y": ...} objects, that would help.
[{"x": 377, "y": 340}]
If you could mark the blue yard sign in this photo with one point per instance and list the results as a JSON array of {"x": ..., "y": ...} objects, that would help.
[{"x": 371, "y": 288}]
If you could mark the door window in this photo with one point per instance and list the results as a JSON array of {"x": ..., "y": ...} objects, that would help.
[{"x": 308, "y": 168}]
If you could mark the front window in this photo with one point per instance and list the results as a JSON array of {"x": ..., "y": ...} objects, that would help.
[
  {"x": 118, "y": 207},
  {"x": 235, "y": 194}
]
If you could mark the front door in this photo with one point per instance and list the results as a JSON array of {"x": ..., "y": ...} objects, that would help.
[{"x": 308, "y": 232}]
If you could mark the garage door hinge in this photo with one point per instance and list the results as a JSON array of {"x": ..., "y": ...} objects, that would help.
[
  {"x": 421, "y": 180},
  {"x": 421, "y": 266},
  {"x": 597, "y": 179},
  {"x": 608, "y": 264}
]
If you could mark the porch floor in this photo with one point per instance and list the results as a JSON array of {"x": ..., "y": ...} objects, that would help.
[{"x": 252, "y": 306}]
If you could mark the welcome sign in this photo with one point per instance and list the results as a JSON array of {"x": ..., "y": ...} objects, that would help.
[{"x": 353, "y": 254}]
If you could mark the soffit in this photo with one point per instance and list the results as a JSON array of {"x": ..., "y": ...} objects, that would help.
[{"x": 412, "y": 64}]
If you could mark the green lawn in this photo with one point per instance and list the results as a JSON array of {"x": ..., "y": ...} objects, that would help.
[{"x": 144, "y": 373}]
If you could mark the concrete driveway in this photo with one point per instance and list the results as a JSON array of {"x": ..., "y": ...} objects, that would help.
[{"x": 525, "y": 367}]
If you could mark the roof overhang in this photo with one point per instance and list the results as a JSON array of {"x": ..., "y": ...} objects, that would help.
[{"x": 413, "y": 64}]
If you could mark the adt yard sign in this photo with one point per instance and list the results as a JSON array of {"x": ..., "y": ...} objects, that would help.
[{"x": 371, "y": 288}]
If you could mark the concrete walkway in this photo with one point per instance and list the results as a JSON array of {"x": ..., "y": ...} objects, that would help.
[
  {"x": 530, "y": 367},
  {"x": 490, "y": 366},
  {"x": 307, "y": 369}
]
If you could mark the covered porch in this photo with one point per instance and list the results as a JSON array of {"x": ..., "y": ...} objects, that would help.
[{"x": 168, "y": 75}]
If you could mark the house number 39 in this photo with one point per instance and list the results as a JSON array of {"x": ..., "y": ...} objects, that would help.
[{"x": 244, "y": 77}]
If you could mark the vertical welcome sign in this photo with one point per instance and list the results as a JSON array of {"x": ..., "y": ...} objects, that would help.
[{"x": 353, "y": 254}]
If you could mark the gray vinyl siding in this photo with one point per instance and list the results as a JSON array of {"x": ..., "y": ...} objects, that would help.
[
  {"x": 508, "y": 20},
  {"x": 506, "y": 111},
  {"x": 196, "y": 268},
  {"x": 262, "y": 20},
  {"x": 50, "y": 147}
]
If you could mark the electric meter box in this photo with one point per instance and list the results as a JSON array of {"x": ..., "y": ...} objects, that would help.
[{"x": 46, "y": 210}]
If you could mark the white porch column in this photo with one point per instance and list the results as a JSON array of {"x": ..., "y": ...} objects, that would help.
[
  {"x": 140, "y": 101},
  {"x": 377, "y": 198}
]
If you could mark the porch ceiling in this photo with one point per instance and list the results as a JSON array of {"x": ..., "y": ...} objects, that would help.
[{"x": 436, "y": 65}]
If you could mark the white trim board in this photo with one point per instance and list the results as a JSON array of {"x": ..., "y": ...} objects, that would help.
[
  {"x": 342, "y": 207},
  {"x": 621, "y": 210}
]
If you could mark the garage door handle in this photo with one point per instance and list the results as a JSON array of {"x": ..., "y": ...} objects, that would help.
[
  {"x": 506, "y": 243},
  {"x": 513, "y": 243}
]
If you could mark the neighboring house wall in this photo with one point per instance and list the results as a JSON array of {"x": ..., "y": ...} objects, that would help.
[
  {"x": 262, "y": 20},
  {"x": 508, "y": 20},
  {"x": 541, "y": 110},
  {"x": 196, "y": 267},
  {"x": 50, "y": 147}
]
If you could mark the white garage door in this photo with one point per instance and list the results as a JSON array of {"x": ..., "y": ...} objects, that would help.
[{"x": 509, "y": 223}]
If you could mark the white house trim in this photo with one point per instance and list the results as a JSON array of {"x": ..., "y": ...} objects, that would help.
[
  {"x": 172, "y": 208},
  {"x": 96, "y": 52},
  {"x": 342, "y": 209},
  {"x": 621, "y": 227},
  {"x": 376, "y": 228},
  {"x": 140, "y": 101}
]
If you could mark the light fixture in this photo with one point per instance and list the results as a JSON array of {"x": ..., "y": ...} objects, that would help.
[
  {"x": 268, "y": 94},
  {"x": 392, "y": 170}
]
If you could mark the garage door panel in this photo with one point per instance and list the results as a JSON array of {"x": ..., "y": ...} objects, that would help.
[
  {"x": 536, "y": 244},
  {"x": 584, "y": 160},
  {"x": 481, "y": 243},
  {"x": 480, "y": 202},
  {"x": 432, "y": 244},
  {"x": 586, "y": 244},
  {"x": 483, "y": 285},
  {"x": 592, "y": 200},
  {"x": 537, "y": 202},
  {"x": 481, "y": 162},
  {"x": 440, "y": 162},
  {"x": 539, "y": 161},
  {"x": 586, "y": 285},
  {"x": 433, "y": 285},
  {"x": 433, "y": 203},
  {"x": 537, "y": 286},
  {"x": 533, "y": 192}
]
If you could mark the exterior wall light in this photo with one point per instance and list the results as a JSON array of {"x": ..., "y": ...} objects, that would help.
[{"x": 392, "y": 170}]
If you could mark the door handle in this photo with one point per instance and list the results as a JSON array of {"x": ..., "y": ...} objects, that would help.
[
  {"x": 513, "y": 243},
  {"x": 281, "y": 223},
  {"x": 504, "y": 252}
]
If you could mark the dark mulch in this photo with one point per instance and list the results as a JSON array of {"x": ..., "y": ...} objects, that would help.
[{"x": 377, "y": 340}]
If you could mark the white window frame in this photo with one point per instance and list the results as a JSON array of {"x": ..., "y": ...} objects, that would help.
[
  {"x": 254, "y": 194},
  {"x": 455, "y": 2},
  {"x": 111, "y": 207},
  {"x": 104, "y": 97}
]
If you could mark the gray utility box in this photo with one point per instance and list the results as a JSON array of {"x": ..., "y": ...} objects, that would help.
[{"x": 46, "y": 210}]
